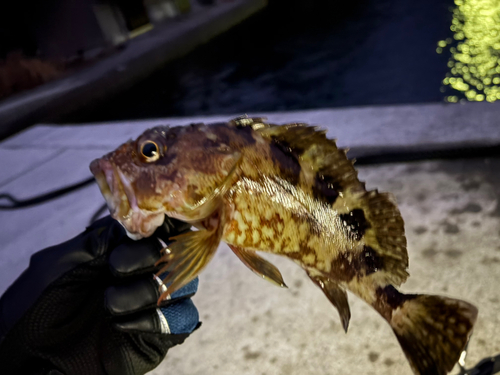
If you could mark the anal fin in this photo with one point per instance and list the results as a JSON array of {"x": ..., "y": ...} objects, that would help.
[
  {"x": 337, "y": 296},
  {"x": 259, "y": 265}
]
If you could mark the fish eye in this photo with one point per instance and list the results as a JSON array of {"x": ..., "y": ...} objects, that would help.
[{"x": 150, "y": 151}]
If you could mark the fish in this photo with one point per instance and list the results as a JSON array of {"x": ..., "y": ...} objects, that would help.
[{"x": 288, "y": 190}]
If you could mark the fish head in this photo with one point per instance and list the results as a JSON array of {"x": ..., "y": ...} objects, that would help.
[{"x": 169, "y": 171}]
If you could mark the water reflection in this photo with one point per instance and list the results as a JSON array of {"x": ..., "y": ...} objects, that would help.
[{"x": 475, "y": 51}]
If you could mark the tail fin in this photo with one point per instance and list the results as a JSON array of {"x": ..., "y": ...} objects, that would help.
[{"x": 432, "y": 330}]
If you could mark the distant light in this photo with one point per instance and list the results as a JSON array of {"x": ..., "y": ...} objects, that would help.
[{"x": 475, "y": 51}]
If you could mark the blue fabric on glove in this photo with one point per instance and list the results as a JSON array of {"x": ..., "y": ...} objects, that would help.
[
  {"x": 182, "y": 316},
  {"x": 186, "y": 290}
]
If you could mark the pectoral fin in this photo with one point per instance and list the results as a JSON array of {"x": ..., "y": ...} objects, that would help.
[
  {"x": 259, "y": 265},
  {"x": 337, "y": 296},
  {"x": 208, "y": 204},
  {"x": 186, "y": 257}
]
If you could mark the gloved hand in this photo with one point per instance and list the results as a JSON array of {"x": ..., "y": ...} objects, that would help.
[{"x": 88, "y": 306}]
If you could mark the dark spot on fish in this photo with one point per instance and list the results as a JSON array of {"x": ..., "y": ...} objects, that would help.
[
  {"x": 268, "y": 313},
  {"x": 347, "y": 265},
  {"x": 355, "y": 223},
  {"x": 295, "y": 293},
  {"x": 273, "y": 360},
  {"x": 372, "y": 356},
  {"x": 392, "y": 297},
  {"x": 296, "y": 151},
  {"x": 494, "y": 300},
  {"x": 247, "y": 135},
  {"x": 453, "y": 253},
  {"x": 326, "y": 188},
  {"x": 255, "y": 319},
  {"x": 224, "y": 134},
  {"x": 251, "y": 355},
  {"x": 476, "y": 224},
  {"x": 371, "y": 260},
  {"x": 287, "y": 160},
  {"x": 450, "y": 228},
  {"x": 388, "y": 362},
  {"x": 297, "y": 283},
  {"x": 429, "y": 253},
  {"x": 469, "y": 208},
  {"x": 233, "y": 136},
  {"x": 420, "y": 230}
]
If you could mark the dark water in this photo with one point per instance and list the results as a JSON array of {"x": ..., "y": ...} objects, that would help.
[{"x": 298, "y": 55}]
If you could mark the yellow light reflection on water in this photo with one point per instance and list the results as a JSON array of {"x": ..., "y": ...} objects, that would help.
[{"x": 475, "y": 52}]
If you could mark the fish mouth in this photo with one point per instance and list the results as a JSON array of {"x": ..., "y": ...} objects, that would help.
[
  {"x": 122, "y": 201},
  {"x": 111, "y": 188}
]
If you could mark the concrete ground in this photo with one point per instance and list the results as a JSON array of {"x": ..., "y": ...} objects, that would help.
[{"x": 451, "y": 210}]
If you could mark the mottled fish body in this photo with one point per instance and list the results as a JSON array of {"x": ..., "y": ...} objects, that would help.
[{"x": 287, "y": 190}]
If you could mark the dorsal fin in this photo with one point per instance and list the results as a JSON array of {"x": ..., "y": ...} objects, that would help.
[{"x": 316, "y": 153}]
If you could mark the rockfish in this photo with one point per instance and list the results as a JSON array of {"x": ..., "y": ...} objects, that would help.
[{"x": 287, "y": 190}]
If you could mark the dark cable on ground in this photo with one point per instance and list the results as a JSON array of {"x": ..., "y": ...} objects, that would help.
[{"x": 16, "y": 203}]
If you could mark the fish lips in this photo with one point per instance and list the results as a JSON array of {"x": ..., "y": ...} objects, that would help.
[
  {"x": 122, "y": 202},
  {"x": 111, "y": 188}
]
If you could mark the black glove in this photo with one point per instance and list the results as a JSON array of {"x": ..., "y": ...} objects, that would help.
[{"x": 88, "y": 306}]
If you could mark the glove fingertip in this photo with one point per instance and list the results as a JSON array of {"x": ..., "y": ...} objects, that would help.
[{"x": 132, "y": 258}]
